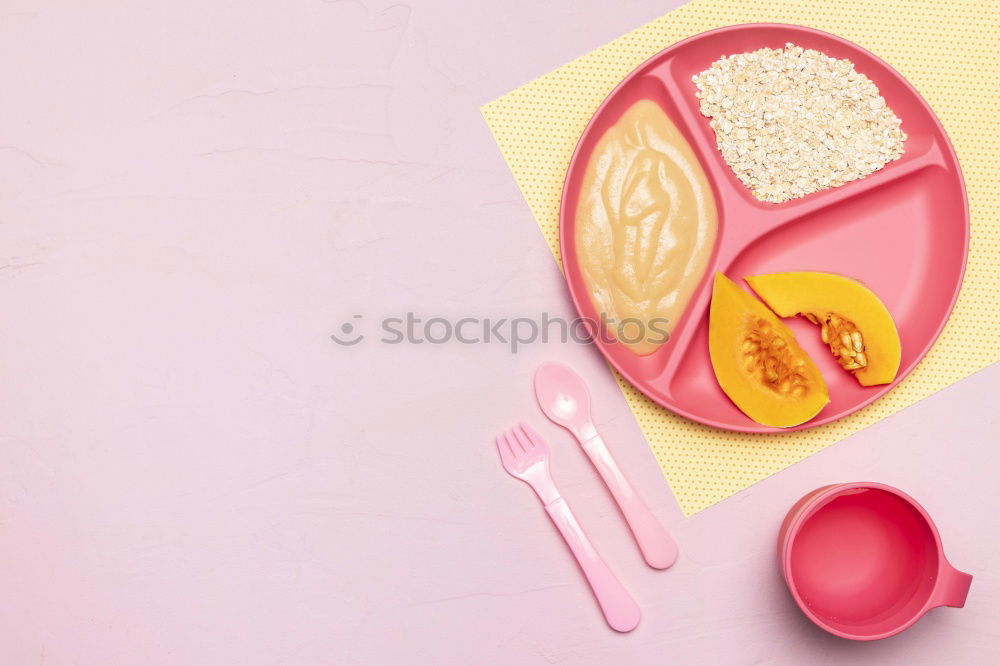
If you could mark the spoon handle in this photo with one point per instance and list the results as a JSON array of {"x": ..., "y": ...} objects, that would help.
[{"x": 657, "y": 546}]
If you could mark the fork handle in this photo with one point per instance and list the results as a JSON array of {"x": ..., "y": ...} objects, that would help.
[
  {"x": 657, "y": 546},
  {"x": 619, "y": 608}
]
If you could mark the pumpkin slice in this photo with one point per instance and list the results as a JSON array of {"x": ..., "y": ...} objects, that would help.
[
  {"x": 757, "y": 361},
  {"x": 853, "y": 321}
]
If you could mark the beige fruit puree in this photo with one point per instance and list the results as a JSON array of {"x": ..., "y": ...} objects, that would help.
[{"x": 645, "y": 227}]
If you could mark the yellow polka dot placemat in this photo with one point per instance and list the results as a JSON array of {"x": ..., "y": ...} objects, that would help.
[{"x": 946, "y": 48}]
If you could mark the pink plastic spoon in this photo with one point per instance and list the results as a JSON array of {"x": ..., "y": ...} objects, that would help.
[{"x": 564, "y": 398}]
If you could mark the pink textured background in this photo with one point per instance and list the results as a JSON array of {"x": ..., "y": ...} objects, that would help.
[{"x": 193, "y": 196}]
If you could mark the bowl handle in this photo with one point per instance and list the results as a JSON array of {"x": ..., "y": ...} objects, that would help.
[{"x": 952, "y": 587}]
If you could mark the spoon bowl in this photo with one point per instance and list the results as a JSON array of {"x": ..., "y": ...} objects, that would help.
[{"x": 563, "y": 396}]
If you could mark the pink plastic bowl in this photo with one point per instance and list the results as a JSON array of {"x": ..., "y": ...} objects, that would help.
[{"x": 864, "y": 561}]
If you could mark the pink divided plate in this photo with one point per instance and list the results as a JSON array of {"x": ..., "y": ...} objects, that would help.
[{"x": 903, "y": 231}]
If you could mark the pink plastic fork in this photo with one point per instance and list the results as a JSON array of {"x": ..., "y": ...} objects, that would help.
[{"x": 525, "y": 456}]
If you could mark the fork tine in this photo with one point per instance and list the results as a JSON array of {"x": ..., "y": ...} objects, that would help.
[
  {"x": 533, "y": 437},
  {"x": 522, "y": 439},
  {"x": 506, "y": 455},
  {"x": 514, "y": 443},
  {"x": 515, "y": 450}
]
